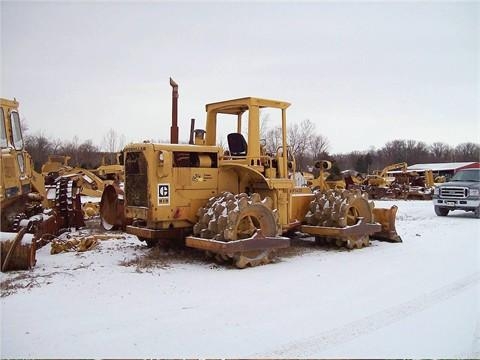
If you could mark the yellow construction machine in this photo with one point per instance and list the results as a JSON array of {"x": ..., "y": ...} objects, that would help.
[
  {"x": 19, "y": 197},
  {"x": 27, "y": 206},
  {"x": 238, "y": 204},
  {"x": 110, "y": 173},
  {"x": 59, "y": 176},
  {"x": 350, "y": 179},
  {"x": 415, "y": 184},
  {"x": 379, "y": 184},
  {"x": 88, "y": 182},
  {"x": 20, "y": 203}
]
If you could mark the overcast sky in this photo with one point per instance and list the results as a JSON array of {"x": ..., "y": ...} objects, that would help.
[{"x": 364, "y": 73}]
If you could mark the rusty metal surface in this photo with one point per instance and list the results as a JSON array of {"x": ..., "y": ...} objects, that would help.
[
  {"x": 16, "y": 255},
  {"x": 174, "y": 127},
  {"x": 253, "y": 243},
  {"x": 362, "y": 227},
  {"x": 112, "y": 207}
]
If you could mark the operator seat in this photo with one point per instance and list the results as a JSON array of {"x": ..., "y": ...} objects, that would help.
[{"x": 237, "y": 144}]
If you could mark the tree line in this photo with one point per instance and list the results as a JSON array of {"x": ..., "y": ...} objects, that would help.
[
  {"x": 305, "y": 144},
  {"x": 409, "y": 151},
  {"x": 84, "y": 154}
]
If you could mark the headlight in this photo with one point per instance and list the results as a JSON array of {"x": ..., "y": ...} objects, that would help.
[
  {"x": 474, "y": 192},
  {"x": 436, "y": 191}
]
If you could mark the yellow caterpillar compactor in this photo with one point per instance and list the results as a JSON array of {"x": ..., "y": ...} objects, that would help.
[{"x": 238, "y": 203}]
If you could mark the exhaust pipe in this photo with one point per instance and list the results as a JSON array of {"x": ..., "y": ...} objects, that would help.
[
  {"x": 192, "y": 130},
  {"x": 174, "y": 127}
]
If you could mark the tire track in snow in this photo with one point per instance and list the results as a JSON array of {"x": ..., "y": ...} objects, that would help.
[{"x": 315, "y": 345}]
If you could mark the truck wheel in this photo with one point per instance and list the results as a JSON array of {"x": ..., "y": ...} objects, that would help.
[
  {"x": 477, "y": 212},
  {"x": 440, "y": 211}
]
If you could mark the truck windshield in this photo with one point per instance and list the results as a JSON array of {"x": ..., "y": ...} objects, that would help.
[
  {"x": 467, "y": 175},
  {"x": 3, "y": 133},
  {"x": 16, "y": 131}
]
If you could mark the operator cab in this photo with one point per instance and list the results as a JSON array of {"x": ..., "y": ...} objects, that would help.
[{"x": 249, "y": 152}]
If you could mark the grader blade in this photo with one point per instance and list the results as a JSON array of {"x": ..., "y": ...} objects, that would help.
[{"x": 386, "y": 218}]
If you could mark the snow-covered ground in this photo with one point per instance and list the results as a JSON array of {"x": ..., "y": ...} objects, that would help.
[{"x": 416, "y": 299}]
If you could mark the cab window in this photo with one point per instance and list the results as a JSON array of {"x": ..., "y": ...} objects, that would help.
[
  {"x": 3, "y": 133},
  {"x": 16, "y": 131}
]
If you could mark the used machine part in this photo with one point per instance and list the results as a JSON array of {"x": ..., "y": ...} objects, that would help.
[
  {"x": 110, "y": 173},
  {"x": 112, "y": 208},
  {"x": 64, "y": 186},
  {"x": 17, "y": 253},
  {"x": 85, "y": 180},
  {"x": 237, "y": 205},
  {"x": 418, "y": 185},
  {"x": 381, "y": 185}
]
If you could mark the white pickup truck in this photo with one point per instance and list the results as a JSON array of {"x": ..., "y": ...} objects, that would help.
[{"x": 462, "y": 192}]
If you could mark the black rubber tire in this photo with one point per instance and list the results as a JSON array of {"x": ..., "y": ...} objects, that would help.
[{"x": 441, "y": 211}]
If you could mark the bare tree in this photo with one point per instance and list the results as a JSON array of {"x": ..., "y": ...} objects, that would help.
[
  {"x": 39, "y": 147},
  {"x": 110, "y": 141},
  {"x": 467, "y": 152},
  {"x": 440, "y": 151},
  {"x": 299, "y": 136},
  {"x": 318, "y": 146},
  {"x": 274, "y": 140},
  {"x": 87, "y": 155}
]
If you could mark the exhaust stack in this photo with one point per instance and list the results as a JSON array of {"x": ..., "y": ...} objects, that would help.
[
  {"x": 174, "y": 127},
  {"x": 192, "y": 129}
]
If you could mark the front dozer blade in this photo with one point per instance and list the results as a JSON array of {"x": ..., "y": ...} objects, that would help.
[{"x": 386, "y": 218}]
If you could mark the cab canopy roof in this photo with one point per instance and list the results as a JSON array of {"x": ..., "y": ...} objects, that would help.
[
  {"x": 239, "y": 106},
  {"x": 9, "y": 103}
]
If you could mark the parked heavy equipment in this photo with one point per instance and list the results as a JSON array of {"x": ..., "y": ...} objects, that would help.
[
  {"x": 415, "y": 185},
  {"x": 380, "y": 184},
  {"x": 20, "y": 205},
  {"x": 17, "y": 197},
  {"x": 110, "y": 173},
  {"x": 87, "y": 181},
  {"x": 61, "y": 178},
  {"x": 235, "y": 205},
  {"x": 351, "y": 179},
  {"x": 25, "y": 207}
]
